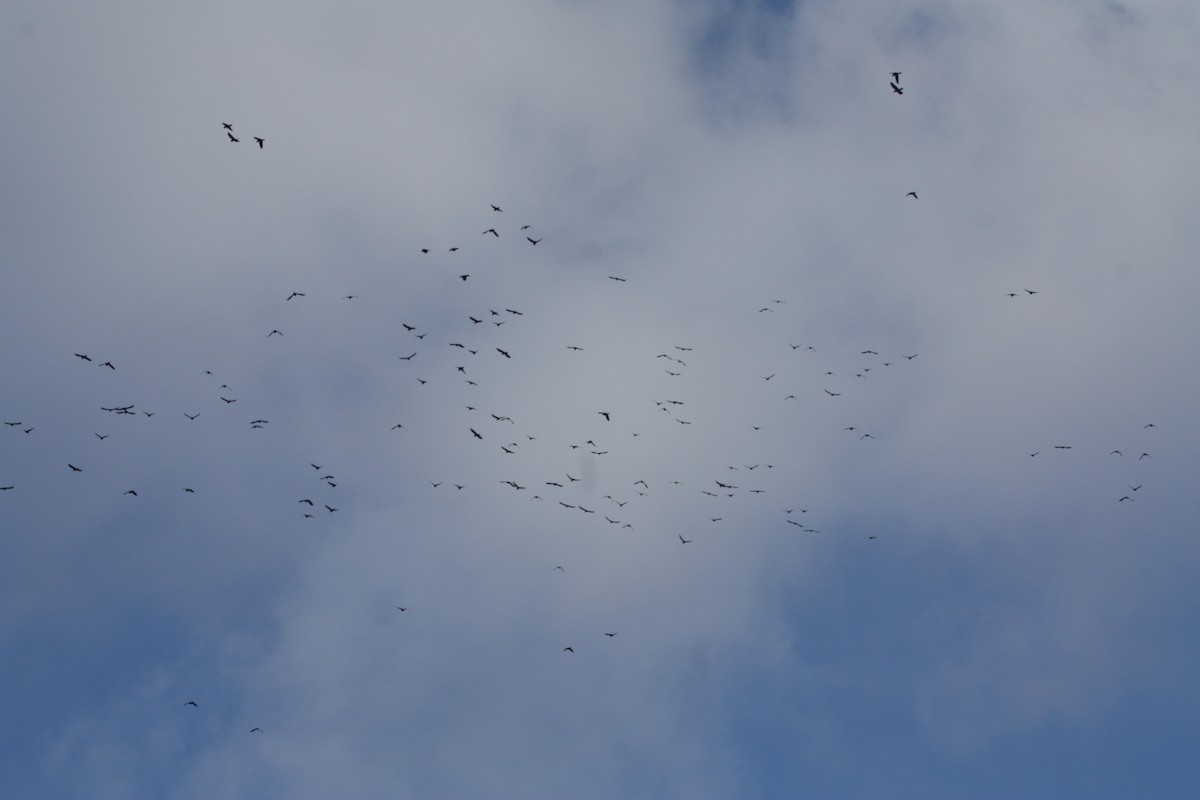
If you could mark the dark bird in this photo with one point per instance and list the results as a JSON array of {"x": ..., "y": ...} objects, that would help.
[
  {"x": 424, "y": 249},
  {"x": 914, "y": 355},
  {"x": 397, "y": 425},
  {"x": 1126, "y": 497},
  {"x": 897, "y": 89},
  {"x": 896, "y": 77},
  {"x": 573, "y": 347},
  {"x": 1030, "y": 291},
  {"x": 605, "y": 415},
  {"x": 190, "y": 416},
  {"x": 610, "y": 635},
  {"x": 1031, "y": 455},
  {"x": 533, "y": 241},
  {"x": 476, "y": 321},
  {"x": 13, "y": 424},
  {"x": 569, "y": 478},
  {"x": 568, "y": 649},
  {"x": 81, "y": 355},
  {"x": 496, "y": 208},
  {"x": 492, "y": 231},
  {"x": 475, "y": 432},
  {"x": 464, "y": 277},
  {"x": 6, "y": 488},
  {"x": 913, "y": 195},
  {"x": 296, "y": 294},
  {"x": 833, "y": 394},
  {"x": 132, "y": 492},
  {"x": 227, "y": 126},
  {"x": 1144, "y": 455},
  {"x": 232, "y": 138},
  {"x": 614, "y": 278},
  {"x": 102, "y": 438},
  {"x": 453, "y": 249},
  {"x": 74, "y": 468},
  {"x": 256, "y": 730},
  {"x": 408, "y": 358},
  {"x": 108, "y": 364},
  {"x": 1135, "y": 488},
  {"x": 685, "y": 541},
  {"x": 503, "y": 352},
  {"x": 330, "y": 509},
  {"x": 260, "y": 142},
  {"x": 275, "y": 333},
  {"x": 1148, "y": 425},
  {"x": 1116, "y": 453},
  {"x": 227, "y": 400},
  {"x": 305, "y": 500},
  {"x": 192, "y": 703}
]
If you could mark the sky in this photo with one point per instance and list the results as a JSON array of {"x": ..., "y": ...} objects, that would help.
[{"x": 881, "y": 495}]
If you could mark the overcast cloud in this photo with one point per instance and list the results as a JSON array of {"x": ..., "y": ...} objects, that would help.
[{"x": 883, "y": 592}]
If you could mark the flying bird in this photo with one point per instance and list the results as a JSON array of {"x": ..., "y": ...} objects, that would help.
[
  {"x": 913, "y": 195},
  {"x": 897, "y": 89},
  {"x": 685, "y": 541},
  {"x": 896, "y": 77},
  {"x": 296, "y": 294},
  {"x": 260, "y": 141},
  {"x": 492, "y": 231},
  {"x": 232, "y": 138},
  {"x": 533, "y": 241}
]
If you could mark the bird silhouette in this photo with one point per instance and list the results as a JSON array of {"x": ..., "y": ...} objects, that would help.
[{"x": 897, "y": 89}]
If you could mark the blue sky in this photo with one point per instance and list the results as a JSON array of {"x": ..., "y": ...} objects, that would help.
[{"x": 793, "y": 340}]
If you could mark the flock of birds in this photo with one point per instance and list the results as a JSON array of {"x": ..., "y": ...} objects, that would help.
[{"x": 482, "y": 333}]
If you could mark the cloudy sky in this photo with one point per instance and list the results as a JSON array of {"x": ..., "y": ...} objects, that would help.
[{"x": 853, "y": 510}]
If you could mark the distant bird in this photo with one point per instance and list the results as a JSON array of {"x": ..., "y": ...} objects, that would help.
[
  {"x": 190, "y": 416},
  {"x": 605, "y": 415},
  {"x": 260, "y": 141},
  {"x": 232, "y": 138},
  {"x": 256, "y": 730},
  {"x": 685, "y": 541},
  {"x": 227, "y": 400},
  {"x": 1144, "y": 455},
  {"x": 833, "y": 394},
  {"x": 615, "y": 278},
  {"x": 1116, "y": 453},
  {"x": 296, "y": 294},
  {"x": 492, "y": 231},
  {"x": 453, "y": 249},
  {"x": 897, "y": 89},
  {"x": 1126, "y": 497},
  {"x": 503, "y": 352},
  {"x": 227, "y": 126},
  {"x": 533, "y": 241},
  {"x": 476, "y": 433},
  {"x": 102, "y": 438},
  {"x": 896, "y": 77},
  {"x": 81, "y": 355},
  {"x": 192, "y": 703},
  {"x": 108, "y": 364},
  {"x": 330, "y": 509},
  {"x": 464, "y": 277},
  {"x": 496, "y": 208},
  {"x": 913, "y": 195},
  {"x": 1148, "y": 425},
  {"x": 74, "y": 468},
  {"x": 568, "y": 649},
  {"x": 1031, "y": 455},
  {"x": 408, "y": 358},
  {"x": 132, "y": 492},
  {"x": 305, "y": 500},
  {"x": 275, "y": 333},
  {"x": 397, "y": 425},
  {"x": 610, "y": 635},
  {"x": 914, "y": 355},
  {"x": 1030, "y": 291}
]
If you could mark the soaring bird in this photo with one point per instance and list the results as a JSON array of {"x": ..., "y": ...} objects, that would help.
[
  {"x": 256, "y": 730},
  {"x": 897, "y": 89},
  {"x": 227, "y": 126},
  {"x": 913, "y": 195},
  {"x": 74, "y": 468},
  {"x": 533, "y": 241},
  {"x": 492, "y": 231},
  {"x": 192, "y": 703},
  {"x": 81, "y": 355},
  {"x": 496, "y": 208},
  {"x": 685, "y": 541},
  {"x": 896, "y": 77},
  {"x": 260, "y": 141},
  {"x": 296, "y": 294},
  {"x": 565, "y": 649},
  {"x": 232, "y": 138}
]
